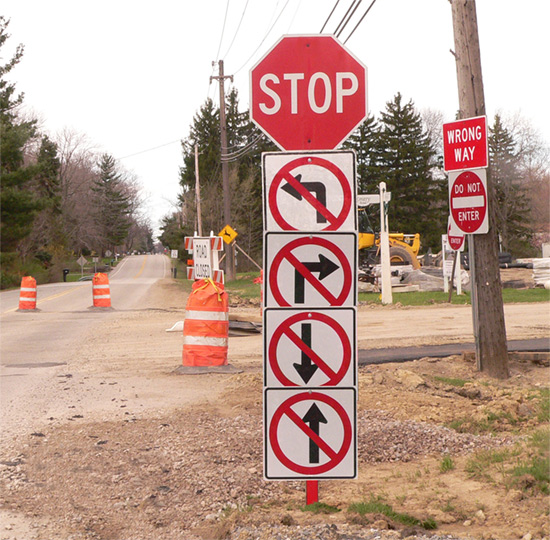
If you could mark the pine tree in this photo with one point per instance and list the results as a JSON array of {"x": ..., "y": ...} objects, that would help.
[
  {"x": 512, "y": 203},
  {"x": 18, "y": 204},
  {"x": 404, "y": 159},
  {"x": 112, "y": 206}
]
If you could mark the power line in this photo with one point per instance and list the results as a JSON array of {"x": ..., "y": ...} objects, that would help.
[
  {"x": 360, "y": 21},
  {"x": 223, "y": 29},
  {"x": 236, "y": 31},
  {"x": 330, "y": 15},
  {"x": 150, "y": 149},
  {"x": 344, "y": 17},
  {"x": 264, "y": 38},
  {"x": 349, "y": 18}
]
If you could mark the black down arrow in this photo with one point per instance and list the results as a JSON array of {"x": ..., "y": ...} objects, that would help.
[
  {"x": 314, "y": 417},
  {"x": 318, "y": 188},
  {"x": 307, "y": 368}
]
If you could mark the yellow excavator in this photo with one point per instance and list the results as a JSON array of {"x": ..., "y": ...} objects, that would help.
[{"x": 404, "y": 248}]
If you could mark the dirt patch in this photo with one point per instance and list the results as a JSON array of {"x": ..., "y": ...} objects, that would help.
[{"x": 164, "y": 456}]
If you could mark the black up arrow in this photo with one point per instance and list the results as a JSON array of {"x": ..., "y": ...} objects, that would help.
[
  {"x": 318, "y": 188},
  {"x": 314, "y": 417},
  {"x": 307, "y": 368},
  {"x": 325, "y": 267}
]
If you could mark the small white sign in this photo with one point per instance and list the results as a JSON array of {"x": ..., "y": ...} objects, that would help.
[{"x": 174, "y": 254}]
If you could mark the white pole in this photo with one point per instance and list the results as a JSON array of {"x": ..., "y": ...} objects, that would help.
[
  {"x": 385, "y": 248},
  {"x": 458, "y": 274},
  {"x": 443, "y": 263}
]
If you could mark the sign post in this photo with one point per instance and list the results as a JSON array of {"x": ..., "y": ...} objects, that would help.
[{"x": 308, "y": 93}]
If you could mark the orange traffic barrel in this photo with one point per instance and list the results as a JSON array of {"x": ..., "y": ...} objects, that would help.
[
  {"x": 27, "y": 294},
  {"x": 206, "y": 325},
  {"x": 101, "y": 291}
]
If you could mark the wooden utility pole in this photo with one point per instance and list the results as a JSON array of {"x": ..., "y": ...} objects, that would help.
[
  {"x": 230, "y": 259},
  {"x": 487, "y": 305},
  {"x": 198, "y": 191}
]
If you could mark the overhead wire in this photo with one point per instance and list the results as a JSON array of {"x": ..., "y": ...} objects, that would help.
[
  {"x": 329, "y": 16},
  {"x": 360, "y": 21},
  {"x": 149, "y": 149},
  {"x": 344, "y": 17},
  {"x": 236, "y": 31},
  {"x": 264, "y": 38},
  {"x": 349, "y": 18},
  {"x": 223, "y": 29}
]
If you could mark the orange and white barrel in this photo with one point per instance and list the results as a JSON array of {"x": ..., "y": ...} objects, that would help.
[
  {"x": 101, "y": 290},
  {"x": 27, "y": 294},
  {"x": 206, "y": 325}
]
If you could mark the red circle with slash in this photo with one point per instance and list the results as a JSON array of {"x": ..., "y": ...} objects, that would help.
[
  {"x": 334, "y": 377},
  {"x": 335, "y": 456},
  {"x": 286, "y": 254},
  {"x": 285, "y": 174}
]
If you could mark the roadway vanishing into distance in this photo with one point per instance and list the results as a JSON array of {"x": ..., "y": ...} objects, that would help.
[{"x": 50, "y": 336}]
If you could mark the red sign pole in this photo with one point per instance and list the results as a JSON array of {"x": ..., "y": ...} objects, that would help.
[{"x": 312, "y": 491}]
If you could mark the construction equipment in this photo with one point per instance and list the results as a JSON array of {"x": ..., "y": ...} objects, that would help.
[{"x": 404, "y": 248}]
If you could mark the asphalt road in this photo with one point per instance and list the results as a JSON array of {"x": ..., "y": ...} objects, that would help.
[{"x": 51, "y": 335}]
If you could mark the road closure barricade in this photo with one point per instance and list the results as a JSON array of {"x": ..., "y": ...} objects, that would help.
[
  {"x": 27, "y": 294},
  {"x": 101, "y": 291},
  {"x": 206, "y": 325}
]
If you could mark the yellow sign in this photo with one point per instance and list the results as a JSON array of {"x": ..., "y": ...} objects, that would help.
[{"x": 228, "y": 234}]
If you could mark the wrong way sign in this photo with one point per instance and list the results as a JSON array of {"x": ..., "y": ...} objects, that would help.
[
  {"x": 314, "y": 347},
  {"x": 310, "y": 191},
  {"x": 310, "y": 434},
  {"x": 314, "y": 270}
]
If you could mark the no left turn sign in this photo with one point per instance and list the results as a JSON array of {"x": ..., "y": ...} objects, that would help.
[
  {"x": 310, "y": 191},
  {"x": 310, "y": 433}
]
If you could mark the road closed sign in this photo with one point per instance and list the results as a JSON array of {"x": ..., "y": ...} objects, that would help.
[{"x": 468, "y": 201}]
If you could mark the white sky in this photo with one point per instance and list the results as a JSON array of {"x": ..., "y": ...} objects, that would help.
[{"x": 131, "y": 74}]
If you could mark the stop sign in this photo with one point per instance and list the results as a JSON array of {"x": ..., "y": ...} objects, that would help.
[
  {"x": 468, "y": 201},
  {"x": 308, "y": 93}
]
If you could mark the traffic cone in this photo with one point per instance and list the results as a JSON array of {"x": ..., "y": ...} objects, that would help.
[
  {"x": 206, "y": 325},
  {"x": 27, "y": 294},
  {"x": 101, "y": 290}
]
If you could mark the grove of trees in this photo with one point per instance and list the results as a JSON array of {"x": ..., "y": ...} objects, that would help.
[
  {"x": 402, "y": 147},
  {"x": 59, "y": 197}
]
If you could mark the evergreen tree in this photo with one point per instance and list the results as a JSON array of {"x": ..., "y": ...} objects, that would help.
[
  {"x": 363, "y": 142},
  {"x": 111, "y": 204},
  {"x": 404, "y": 159},
  {"x": 18, "y": 203},
  {"x": 512, "y": 202}
]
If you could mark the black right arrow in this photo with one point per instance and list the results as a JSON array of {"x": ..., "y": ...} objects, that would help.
[
  {"x": 307, "y": 368},
  {"x": 325, "y": 267},
  {"x": 318, "y": 188},
  {"x": 314, "y": 417}
]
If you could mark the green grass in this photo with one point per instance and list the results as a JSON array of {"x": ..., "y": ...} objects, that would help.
[
  {"x": 378, "y": 506},
  {"x": 451, "y": 382},
  {"x": 428, "y": 298},
  {"x": 447, "y": 464},
  {"x": 320, "y": 508}
]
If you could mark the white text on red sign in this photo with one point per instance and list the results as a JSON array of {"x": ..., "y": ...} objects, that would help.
[{"x": 465, "y": 144}]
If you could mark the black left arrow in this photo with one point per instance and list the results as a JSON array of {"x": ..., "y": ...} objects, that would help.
[
  {"x": 307, "y": 368},
  {"x": 325, "y": 267},
  {"x": 318, "y": 188},
  {"x": 314, "y": 417}
]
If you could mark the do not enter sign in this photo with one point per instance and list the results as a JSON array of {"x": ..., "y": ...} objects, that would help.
[{"x": 468, "y": 201}]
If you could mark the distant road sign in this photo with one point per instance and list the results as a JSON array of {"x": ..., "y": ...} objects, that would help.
[
  {"x": 228, "y": 234},
  {"x": 465, "y": 144},
  {"x": 468, "y": 201}
]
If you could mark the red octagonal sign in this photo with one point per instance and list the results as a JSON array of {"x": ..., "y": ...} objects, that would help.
[{"x": 308, "y": 93}]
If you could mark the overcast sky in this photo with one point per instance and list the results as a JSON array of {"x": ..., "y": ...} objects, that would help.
[{"x": 131, "y": 74}]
